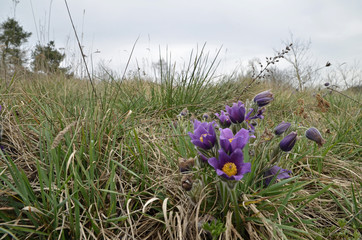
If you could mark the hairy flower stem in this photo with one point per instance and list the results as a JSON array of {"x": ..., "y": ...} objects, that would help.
[
  {"x": 204, "y": 177},
  {"x": 275, "y": 156},
  {"x": 235, "y": 202},
  {"x": 224, "y": 196}
]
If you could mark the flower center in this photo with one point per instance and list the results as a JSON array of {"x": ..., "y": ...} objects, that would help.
[
  {"x": 230, "y": 169},
  {"x": 202, "y": 137},
  {"x": 231, "y": 139}
]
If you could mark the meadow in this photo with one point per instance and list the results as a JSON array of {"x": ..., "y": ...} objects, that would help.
[{"x": 102, "y": 162}]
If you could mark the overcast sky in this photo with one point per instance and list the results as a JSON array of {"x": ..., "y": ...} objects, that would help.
[{"x": 245, "y": 29}]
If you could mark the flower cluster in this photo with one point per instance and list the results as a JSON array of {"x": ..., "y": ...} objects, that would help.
[
  {"x": 221, "y": 145},
  {"x": 228, "y": 162},
  {"x": 224, "y": 152},
  {"x": 231, "y": 149}
]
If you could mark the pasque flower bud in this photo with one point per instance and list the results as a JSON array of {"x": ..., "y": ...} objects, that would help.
[
  {"x": 263, "y": 98},
  {"x": 281, "y": 128},
  {"x": 314, "y": 135},
  {"x": 288, "y": 142}
]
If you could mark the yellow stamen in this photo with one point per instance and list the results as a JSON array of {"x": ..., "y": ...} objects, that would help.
[
  {"x": 230, "y": 169},
  {"x": 202, "y": 137},
  {"x": 231, "y": 139}
]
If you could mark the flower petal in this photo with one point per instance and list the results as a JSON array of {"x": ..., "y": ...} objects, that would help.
[
  {"x": 213, "y": 162},
  {"x": 199, "y": 144},
  {"x": 223, "y": 158},
  {"x": 225, "y": 144},
  {"x": 245, "y": 168},
  {"x": 226, "y": 133},
  {"x": 222, "y": 174},
  {"x": 237, "y": 157}
]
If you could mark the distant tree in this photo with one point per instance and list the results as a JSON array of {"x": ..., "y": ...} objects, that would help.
[
  {"x": 345, "y": 75},
  {"x": 303, "y": 68},
  {"x": 47, "y": 58},
  {"x": 12, "y": 36}
]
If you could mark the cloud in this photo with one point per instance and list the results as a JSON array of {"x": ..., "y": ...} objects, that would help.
[{"x": 245, "y": 29}]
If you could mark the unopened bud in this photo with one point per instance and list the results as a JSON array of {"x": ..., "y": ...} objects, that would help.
[
  {"x": 314, "y": 135},
  {"x": 288, "y": 142},
  {"x": 281, "y": 128},
  {"x": 263, "y": 98}
]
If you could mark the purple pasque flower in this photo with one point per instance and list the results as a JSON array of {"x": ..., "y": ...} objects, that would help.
[
  {"x": 236, "y": 112},
  {"x": 197, "y": 123},
  {"x": 259, "y": 113},
  {"x": 223, "y": 119},
  {"x": 275, "y": 170},
  {"x": 281, "y": 128},
  {"x": 249, "y": 117},
  {"x": 314, "y": 135},
  {"x": 288, "y": 142},
  {"x": 230, "y": 167},
  {"x": 204, "y": 135},
  {"x": 230, "y": 143},
  {"x": 263, "y": 98}
]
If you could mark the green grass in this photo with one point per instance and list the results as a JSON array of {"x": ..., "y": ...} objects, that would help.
[{"x": 76, "y": 167}]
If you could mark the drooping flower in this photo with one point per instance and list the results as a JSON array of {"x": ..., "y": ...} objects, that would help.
[
  {"x": 288, "y": 142},
  {"x": 250, "y": 117},
  {"x": 236, "y": 112},
  {"x": 230, "y": 143},
  {"x": 204, "y": 135},
  {"x": 314, "y": 135},
  {"x": 259, "y": 114},
  {"x": 230, "y": 167},
  {"x": 223, "y": 119},
  {"x": 281, "y": 128},
  {"x": 263, "y": 98},
  {"x": 275, "y": 170}
]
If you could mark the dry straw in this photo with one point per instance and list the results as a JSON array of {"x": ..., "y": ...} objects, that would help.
[{"x": 61, "y": 134}]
